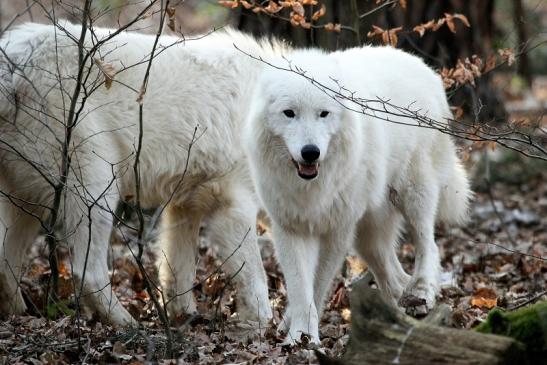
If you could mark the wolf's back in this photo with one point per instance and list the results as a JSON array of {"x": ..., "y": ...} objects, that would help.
[{"x": 30, "y": 56}]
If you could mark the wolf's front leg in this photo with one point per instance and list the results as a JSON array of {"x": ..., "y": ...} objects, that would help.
[
  {"x": 232, "y": 228},
  {"x": 333, "y": 248},
  {"x": 298, "y": 259}
]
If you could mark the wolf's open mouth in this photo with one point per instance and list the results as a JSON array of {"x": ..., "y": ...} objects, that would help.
[{"x": 307, "y": 171}]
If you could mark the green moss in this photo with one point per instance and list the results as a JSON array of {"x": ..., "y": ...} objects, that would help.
[{"x": 527, "y": 325}]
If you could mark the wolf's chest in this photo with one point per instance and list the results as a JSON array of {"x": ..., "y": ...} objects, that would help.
[{"x": 319, "y": 212}]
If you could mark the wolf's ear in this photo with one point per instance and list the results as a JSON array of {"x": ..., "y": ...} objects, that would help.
[{"x": 352, "y": 113}]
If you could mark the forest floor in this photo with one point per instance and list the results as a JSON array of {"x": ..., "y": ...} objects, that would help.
[{"x": 497, "y": 259}]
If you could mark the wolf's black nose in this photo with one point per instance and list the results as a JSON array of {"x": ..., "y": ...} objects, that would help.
[{"x": 310, "y": 152}]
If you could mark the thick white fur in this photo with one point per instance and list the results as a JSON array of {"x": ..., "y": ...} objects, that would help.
[
  {"x": 201, "y": 84},
  {"x": 373, "y": 174}
]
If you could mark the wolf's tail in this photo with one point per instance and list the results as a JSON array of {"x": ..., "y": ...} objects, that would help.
[{"x": 454, "y": 196}]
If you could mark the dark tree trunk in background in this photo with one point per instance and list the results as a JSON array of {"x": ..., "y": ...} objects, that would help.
[
  {"x": 443, "y": 48},
  {"x": 523, "y": 65},
  {"x": 440, "y": 49},
  {"x": 344, "y": 12}
]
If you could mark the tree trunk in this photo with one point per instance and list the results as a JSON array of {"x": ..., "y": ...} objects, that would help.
[
  {"x": 382, "y": 334},
  {"x": 523, "y": 64}
]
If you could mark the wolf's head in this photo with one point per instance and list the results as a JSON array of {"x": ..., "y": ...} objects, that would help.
[{"x": 299, "y": 111}]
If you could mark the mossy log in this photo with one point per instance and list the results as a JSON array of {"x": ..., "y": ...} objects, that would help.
[
  {"x": 527, "y": 325},
  {"x": 382, "y": 334}
]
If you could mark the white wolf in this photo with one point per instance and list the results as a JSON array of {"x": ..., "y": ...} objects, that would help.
[
  {"x": 327, "y": 174},
  {"x": 201, "y": 84}
]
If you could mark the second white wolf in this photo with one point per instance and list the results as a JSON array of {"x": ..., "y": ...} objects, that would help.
[
  {"x": 196, "y": 98},
  {"x": 329, "y": 175}
]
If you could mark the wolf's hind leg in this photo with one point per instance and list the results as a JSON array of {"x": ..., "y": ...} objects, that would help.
[
  {"x": 17, "y": 232},
  {"x": 179, "y": 236},
  {"x": 233, "y": 229},
  {"x": 376, "y": 242},
  {"x": 419, "y": 199}
]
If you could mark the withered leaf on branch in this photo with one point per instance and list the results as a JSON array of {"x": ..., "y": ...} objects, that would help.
[
  {"x": 333, "y": 27},
  {"x": 246, "y": 4},
  {"x": 490, "y": 63},
  {"x": 297, "y": 19},
  {"x": 388, "y": 36},
  {"x": 319, "y": 13},
  {"x": 229, "y": 4},
  {"x": 464, "y": 72},
  {"x": 171, "y": 18},
  {"x": 507, "y": 55},
  {"x": 450, "y": 21},
  {"x": 421, "y": 28},
  {"x": 434, "y": 25},
  {"x": 376, "y": 31},
  {"x": 107, "y": 70},
  {"x": 273, "y": 8},
  {"x": 140, "y": 97},
  {"x": 298, "y": 8}
]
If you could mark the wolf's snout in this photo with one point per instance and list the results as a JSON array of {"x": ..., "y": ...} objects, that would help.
[{"x": 310, "y": 153}]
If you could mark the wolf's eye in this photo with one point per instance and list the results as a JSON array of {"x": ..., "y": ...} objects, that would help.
[
  {"x": 289, "y": 113},
  {"x": 324, "y": 114}
]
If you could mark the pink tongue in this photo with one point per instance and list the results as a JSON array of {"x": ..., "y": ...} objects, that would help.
[{"x": 307, "y": 169}]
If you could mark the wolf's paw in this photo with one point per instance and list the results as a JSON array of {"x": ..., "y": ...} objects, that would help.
[
  {"x": 418, "y": 298},
  {"x": 182, "y": 306},
  {"x": 120, "y": 318},
  {"x": 302, "y": 329},
  {"x": 296, "y": 336},
  {"x": 257, "y": 311},
  {"x": 12, "y": 304},
  {"x": 285, "y": 324}
]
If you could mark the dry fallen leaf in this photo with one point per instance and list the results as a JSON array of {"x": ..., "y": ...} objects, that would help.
[
  {"x": 484, "y": 298},
  {"x": 213, "y": 285},
  {"x": 346, "y": 314},
  {"x": 356, "y": 266},
  {"x": 457, "y": 111}
]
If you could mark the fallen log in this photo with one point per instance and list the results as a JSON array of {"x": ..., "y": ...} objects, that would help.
[{"x": 382, "y": 334}]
